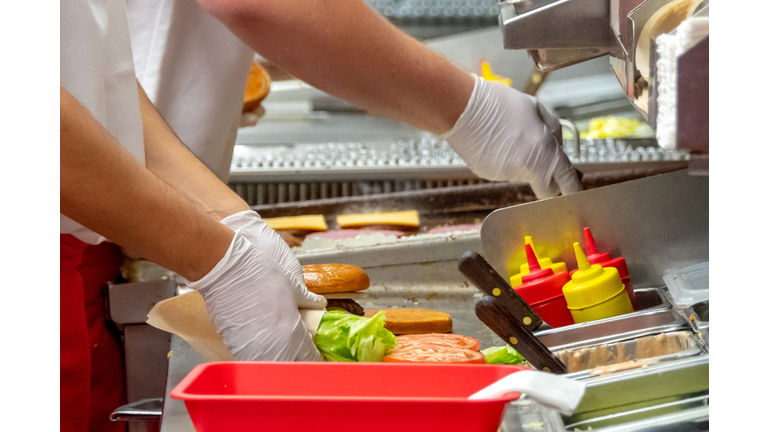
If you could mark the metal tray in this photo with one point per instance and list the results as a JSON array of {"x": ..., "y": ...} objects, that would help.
[
  {"x": 586, "y": 361},
  {"x": 669, "y": 387},
  {"x": 655, "y": 316},
  {"x": 684, "y": 415}
]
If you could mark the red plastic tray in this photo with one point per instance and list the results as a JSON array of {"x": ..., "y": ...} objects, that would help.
[{"x": 337, "y": 397}]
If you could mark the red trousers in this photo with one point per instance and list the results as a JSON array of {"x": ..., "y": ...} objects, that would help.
[{"x": 92, "y": 382}]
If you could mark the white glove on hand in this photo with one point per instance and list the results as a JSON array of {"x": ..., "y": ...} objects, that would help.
[
  {"x": 248, "y": 296},
  {"x": 506, "y": 135},
  {"x": 268, "y": 241}
]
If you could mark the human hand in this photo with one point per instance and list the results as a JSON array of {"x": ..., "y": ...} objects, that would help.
[
  {"x": 268, "y": 241},
  {"x": 506, "y": 135},
  {"x": 248, "y": 296}
]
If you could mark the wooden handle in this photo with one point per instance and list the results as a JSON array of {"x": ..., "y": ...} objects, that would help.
[
  {"x": 477, "y": 270},
  {"x": 490, "y": 311}
]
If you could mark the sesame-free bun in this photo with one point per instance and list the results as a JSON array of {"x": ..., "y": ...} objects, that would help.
[
  {"x": 414, "y": 321},
  {"x": 335, "y": 278}
]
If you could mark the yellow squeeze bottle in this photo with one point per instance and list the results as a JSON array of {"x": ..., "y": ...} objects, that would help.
[
  {"x": 544, "y": 263},
  {"x": 595, "y": 292}
]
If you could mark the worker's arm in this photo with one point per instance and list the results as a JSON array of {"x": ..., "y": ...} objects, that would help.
[
  {"x": 248, "y": 294},
  {"x": 342, "y": 47},
  {"x": 104, "y": 188},
  {"x": 167, "y": 158}
]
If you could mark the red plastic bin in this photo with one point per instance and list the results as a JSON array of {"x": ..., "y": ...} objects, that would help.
[{"x": 336, "y": 397}]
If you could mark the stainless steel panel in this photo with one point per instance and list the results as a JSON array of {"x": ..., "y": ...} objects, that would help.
[
  {"x": 657, "y": 224},
  {"x": 146, "y": 361},
  {"x": 182, "y": 360},
  {"x": 130, "y": 303},
  {"x": 559, "y": 24}
]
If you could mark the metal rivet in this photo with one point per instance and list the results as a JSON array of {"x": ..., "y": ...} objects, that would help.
[
  {"x": 546, "y": 369},
  {"x": 496, "y": 292},
  {"x": 513, "y": 340},
  {"x": 527, "y": 320}
]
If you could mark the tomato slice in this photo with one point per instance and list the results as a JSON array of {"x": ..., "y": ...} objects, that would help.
[
  {"x": 430, "y": 353},
  {"x": 447, "y": 339}
]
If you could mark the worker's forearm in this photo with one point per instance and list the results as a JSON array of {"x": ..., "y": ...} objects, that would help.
[
  {"x": 167, "y": 158},
  {"x": 106, "y": 189},
  {"x": 344, "y": 48}
]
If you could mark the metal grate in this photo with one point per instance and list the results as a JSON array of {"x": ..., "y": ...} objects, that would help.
[
  {"x": 438, "y": 11},
  {"x": 282, "y": 192},
  {"x": 300, "y": 172}
]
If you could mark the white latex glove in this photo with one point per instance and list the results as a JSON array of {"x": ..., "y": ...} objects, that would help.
[
  {"x": 268, "y": 241},
  {"x": 248, "y": 296},
  {"x": 506, "y": 135}
]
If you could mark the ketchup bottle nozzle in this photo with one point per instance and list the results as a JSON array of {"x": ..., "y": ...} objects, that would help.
[
  {"x": 589, "y": 242},
  {"x": 581, "y": 259},
  {"x": 533, "y": 262}
]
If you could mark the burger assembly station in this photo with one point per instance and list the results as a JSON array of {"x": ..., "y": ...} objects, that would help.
[{"x": 455, "y": 303}]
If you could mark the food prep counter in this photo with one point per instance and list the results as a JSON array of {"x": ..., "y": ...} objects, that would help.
[
  {"x": 439, "y": 286},
  {"x": 428, "y": 278}
]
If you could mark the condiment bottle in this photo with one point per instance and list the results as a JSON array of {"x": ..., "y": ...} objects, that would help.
[
  {"x": 605, "y": 260},
  {"x": 595, "y": 292},
  {"x": 517, "y": 280},
  {"x": 542, "y": 289}
]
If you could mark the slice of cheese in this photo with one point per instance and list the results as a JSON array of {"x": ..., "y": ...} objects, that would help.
[
  {"x": 307, "y": 222},
  {"x": 402, "y": 218}
]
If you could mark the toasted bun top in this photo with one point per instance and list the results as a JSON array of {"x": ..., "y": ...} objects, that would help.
[{"x": 335, "y": 278}]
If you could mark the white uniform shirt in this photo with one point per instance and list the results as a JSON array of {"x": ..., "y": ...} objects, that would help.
[
  {"x": 97, "y": 69},
  {"x": 194, "y": 70}
]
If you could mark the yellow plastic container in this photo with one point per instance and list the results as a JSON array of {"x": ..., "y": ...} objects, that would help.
[
  {"x": 595, "y": 292},
  {"x": 517, "y": 280}
]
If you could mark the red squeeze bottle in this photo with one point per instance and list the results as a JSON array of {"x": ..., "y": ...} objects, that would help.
[
  {"x": 543, "y": 290},
  {"x": 605, "y": 260}
]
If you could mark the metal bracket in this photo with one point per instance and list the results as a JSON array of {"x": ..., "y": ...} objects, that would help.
[{"x": 142, "y": 410}]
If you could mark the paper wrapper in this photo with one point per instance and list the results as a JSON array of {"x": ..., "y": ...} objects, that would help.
[{"x": 187, "y": 317}]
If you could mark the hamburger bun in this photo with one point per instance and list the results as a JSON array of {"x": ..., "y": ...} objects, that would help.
[
  {"x": 256, "y": 88},
  {"x": 335, "y": 278},
  {"x": 414, "y": 321}
]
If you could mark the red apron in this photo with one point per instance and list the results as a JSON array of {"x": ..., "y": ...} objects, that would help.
[{"x": 92, "y": 372}]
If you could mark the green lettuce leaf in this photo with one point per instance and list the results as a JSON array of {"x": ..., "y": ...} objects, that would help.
[
  {"x": 345, "y": 337},
  {"x": 502, "y": 355}
]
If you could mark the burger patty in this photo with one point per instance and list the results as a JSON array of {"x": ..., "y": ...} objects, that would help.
[{"x": 347, "y": 305}]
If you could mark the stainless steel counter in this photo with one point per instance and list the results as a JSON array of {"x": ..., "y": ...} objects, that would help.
[
  {"x": 182, "y": 360},
  {"x": 433, "y": 285},
  {"x": 436, "y": 285}
]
